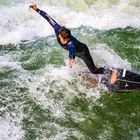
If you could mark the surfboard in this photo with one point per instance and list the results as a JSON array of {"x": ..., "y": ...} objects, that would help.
[
  {"x": 126, "y": 81},
  {"x": 119, "y": 79}
]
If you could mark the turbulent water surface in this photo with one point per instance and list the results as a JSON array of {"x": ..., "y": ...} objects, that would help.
[{"x": 40, "y": 97}]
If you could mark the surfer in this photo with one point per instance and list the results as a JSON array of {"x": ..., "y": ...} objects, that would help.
[{"x": 70, "y": 43}]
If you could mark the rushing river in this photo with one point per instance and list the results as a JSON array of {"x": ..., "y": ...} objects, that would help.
[{"x": 40, "y": 97}]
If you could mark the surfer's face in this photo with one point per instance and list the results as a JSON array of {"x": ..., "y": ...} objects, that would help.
[{"x": 62, "y": 39}]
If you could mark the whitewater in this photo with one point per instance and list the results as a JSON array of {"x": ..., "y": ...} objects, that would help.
[
  {"x": 18, "y": 22},
  {"x": 40, "y": 97}
]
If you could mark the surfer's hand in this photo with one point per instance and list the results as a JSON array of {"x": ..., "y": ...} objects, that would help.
[
  {"x": 34, "y": 7},
  {"x": 71, "y": 62}
]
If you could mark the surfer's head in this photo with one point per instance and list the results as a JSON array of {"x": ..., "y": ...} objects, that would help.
[{"x": 64, "y": 35}]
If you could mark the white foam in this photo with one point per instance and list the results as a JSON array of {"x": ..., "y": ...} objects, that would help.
[
  {"x": 62, "y": 72},
  {"x": 20, "y": 23},
  {"x": 10, "y": 129},
  {"x": 7, "y": 64},
  {"x": 52, "y": 81},
  {"x": 108, "y": 56},
  {"x": 25, "y": 25}
]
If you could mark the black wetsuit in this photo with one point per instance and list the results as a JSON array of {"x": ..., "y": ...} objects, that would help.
[{"x": 75, "y": 47}]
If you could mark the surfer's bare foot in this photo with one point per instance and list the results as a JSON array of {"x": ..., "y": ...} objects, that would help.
[{"x": 113, "y": 76}]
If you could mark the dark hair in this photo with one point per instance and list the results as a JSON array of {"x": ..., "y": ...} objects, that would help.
[{"x": 65, "y": 32}]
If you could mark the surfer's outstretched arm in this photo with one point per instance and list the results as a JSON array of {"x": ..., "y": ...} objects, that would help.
[{"x": 51, "y": 21}]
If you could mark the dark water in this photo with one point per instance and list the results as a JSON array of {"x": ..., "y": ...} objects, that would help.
[{"x": 41, "y": 99}]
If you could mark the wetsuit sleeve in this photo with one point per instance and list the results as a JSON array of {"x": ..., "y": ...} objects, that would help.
[
  {"x": 52, "y": 22},
  {"x": 71, "y": 51}
]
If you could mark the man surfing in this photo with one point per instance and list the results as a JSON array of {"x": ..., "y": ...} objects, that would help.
[{"x": 70, "y": 43}]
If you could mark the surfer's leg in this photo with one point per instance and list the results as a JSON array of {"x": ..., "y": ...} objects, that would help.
[
  {"x": 90, "y": 64},
  {"x": 99, "y": 70},
  {"x": 85, "y": 55}
]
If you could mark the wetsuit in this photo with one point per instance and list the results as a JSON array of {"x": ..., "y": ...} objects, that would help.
[{"x": 75, "y": 47}]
